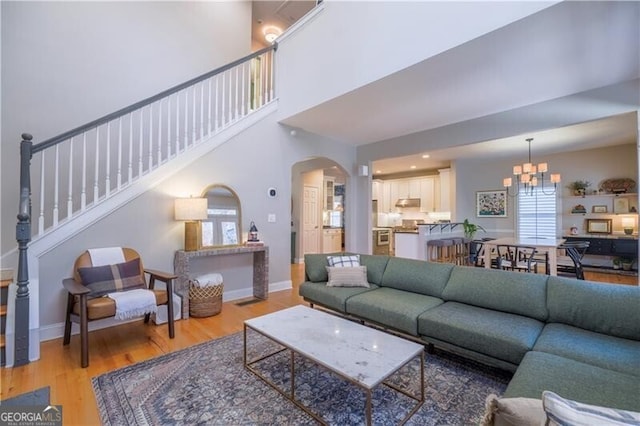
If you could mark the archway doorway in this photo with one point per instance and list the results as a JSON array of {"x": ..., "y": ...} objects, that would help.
[{"x": 318, "y": 207}]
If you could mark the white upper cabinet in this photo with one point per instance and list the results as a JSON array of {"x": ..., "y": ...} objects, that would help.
[{"x": 427, "y": 194}]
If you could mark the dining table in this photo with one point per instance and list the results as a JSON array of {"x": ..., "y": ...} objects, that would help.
[{"x": 542, "y": 245}]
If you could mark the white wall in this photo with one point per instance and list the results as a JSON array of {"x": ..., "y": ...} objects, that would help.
[
  {"x": 259, "y": 158},
  {"x": 351, "y": 44},
  {"x": 67, "y": 63}
]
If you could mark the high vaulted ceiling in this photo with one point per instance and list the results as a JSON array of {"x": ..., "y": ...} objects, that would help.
[{"x": 563, "y": 51}]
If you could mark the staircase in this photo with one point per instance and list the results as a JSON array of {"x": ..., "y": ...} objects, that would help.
[
  {"x": 72, "y": 180},
  {"x": 6, "y": 278}
]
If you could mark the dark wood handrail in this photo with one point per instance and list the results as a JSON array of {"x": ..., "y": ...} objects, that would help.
[{"x": 110, "y": 117}]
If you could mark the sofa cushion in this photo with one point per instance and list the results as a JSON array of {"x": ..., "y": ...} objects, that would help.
[
  {"x": 513, "y": 412},
  {"x": 497, "y": 334},
  {"x": 499, "y": 290},
  {"x": 315, "y": 266},
  {"x": 575, "y": 380},
  {"x": 416, "y": 276},
  {"x": 613, "y": 353},
  {"x": 343, "y": 276},
  {"x": 574, "y": 302},
  {"x": 331, "y": 297},
  {"x": 562, "y": 411},
  {"x": 394, "y": 308}
]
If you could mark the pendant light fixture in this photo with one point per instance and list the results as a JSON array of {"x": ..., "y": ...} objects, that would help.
[{"x": 526, "y": 174}]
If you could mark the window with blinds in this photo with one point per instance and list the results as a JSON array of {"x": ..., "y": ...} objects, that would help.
[{"x": 537, "y": 215}]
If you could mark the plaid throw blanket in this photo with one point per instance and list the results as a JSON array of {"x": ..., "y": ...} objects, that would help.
[{"x": 134, "y": 303}]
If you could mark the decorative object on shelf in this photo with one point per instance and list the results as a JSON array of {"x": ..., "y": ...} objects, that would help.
[
  {"x": 599, "y": 209},
  {"x": 573, "y": 230},
  {"x": 618, "y": 185},
  {"x": 626, "y": 263},
  {"x": 628, "y": 224},
  {"x": 253, "y": 233},
  {"x": 578, "y": 208},
  {"x": 470, "y": 229},
  {"x": 579, "y": 187},
  {"x": 633, "y": 209},
  {"x": 616, "y": 262},
  {"x": 192, "y": 211},
  {"x": 491, "y": 203},
  {"x": 599, "y": 226},
  {"x": 620, "y": 205},
  {"x": 526, "y": 174}
]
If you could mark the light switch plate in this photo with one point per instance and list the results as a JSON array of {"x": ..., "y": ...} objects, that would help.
[{"x": 271, "y": 217}]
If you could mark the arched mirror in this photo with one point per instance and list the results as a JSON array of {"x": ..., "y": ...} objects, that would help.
[{"x": 222, "y": 226}]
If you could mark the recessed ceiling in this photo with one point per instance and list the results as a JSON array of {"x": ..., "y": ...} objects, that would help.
[{"x": 610, "y": 131}]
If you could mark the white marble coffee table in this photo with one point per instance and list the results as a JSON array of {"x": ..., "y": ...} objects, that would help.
[{"x": 359, "y": 354}]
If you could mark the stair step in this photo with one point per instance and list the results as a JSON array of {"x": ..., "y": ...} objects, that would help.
[
  {"x": 3, "y": 310},
  {"x": 2, "y": 341}
]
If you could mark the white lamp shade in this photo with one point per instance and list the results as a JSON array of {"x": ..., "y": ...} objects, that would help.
[
  {"x": 190, "y": 209},
  {"x": 628, "y": 222}
]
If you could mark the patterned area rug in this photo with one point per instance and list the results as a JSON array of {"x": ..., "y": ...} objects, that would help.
[{"x": 208, "y": 384}]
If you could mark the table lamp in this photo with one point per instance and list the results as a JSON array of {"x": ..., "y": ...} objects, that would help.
[
  {"x": 191, "y": 210},
  {"x": 628, "y": 224}
]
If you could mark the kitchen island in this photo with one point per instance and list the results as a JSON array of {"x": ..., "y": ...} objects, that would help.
[{"x": 413, "y": 244}]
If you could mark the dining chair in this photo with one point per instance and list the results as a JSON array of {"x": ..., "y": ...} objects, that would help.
[
  {"x": 571, "y": 263},
  {"x": 517, "y": 258}
]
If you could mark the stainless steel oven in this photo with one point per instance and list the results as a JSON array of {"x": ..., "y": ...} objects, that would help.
[{"x": 381, "y": 241}]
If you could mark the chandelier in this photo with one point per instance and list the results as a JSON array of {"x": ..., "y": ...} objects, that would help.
[{"x": 527, "y": 175}]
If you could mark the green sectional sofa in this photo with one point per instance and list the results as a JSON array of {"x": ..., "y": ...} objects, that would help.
[{"x": 576, "y": 338}]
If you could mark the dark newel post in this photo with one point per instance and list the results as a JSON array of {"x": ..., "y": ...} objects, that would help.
[{"x": 23, "y": 236}]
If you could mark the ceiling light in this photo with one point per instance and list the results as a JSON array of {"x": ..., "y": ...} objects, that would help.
[
  {"x": 426, "y": 156},
  {"x": 271, "y": 33},
  {"x": 412, "y": 167},
  {"x": 378, "y": 171},
  {"x": 526, "y": 174}
]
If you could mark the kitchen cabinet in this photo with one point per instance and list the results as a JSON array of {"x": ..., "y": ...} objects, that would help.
[
  {"x": 427, "y": 194},
  {"x": 331, "y": 240},
  {"x": 384, "y": 202},
  {"x": 329, "y": 184},
  {"x": 444, "y": 198}
]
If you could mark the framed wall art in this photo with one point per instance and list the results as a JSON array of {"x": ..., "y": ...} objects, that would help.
[
  {"x": 491, "y": 204},
  {"x": 620, "y": 205},
  {"x": 599, "y": 209},
  {"x": 599, "y": 226}
]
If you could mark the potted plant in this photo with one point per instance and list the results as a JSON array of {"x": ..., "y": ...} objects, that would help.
[
  {"x": 616, "y": 262},
  {"x": 470, "y": 229},
  {"x": 626, "y": 263},
  {"x": 579, "y": 187}
]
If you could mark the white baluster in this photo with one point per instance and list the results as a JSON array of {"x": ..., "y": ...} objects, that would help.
[
  {"x": 83, "y": 191},
  {"x": 150, "y": 138},
  {"x": 70, "y": 188},
  {"x": 140, "y": 143},
  {"x": 42, "y": 191},
  {"x": 262, "y": 81},
  {"x": 237, "y": 92},
  {"x": 230, "y": 98},
  {"x": 177, "y": 123},
  {"x": 224, "y": 112},
  {"x": 217, "y": 117},
  {"x": 159, "y": 133},
  {"x": 107, "y": 177},
  {"x": 130, "y": 165},
  {"x": 201, "y": 110},
  {"x": 193, "y": 121},
  {"x": 169, "y": 128},
  {"x": 56, "y": 181},
  {"x": 186, "y": 118},
  {"x": 96, "y": 192},
  {"x": 271, "y": 80},
  {"x": 244, "y": 77},
  {"x": 209, "y": 115},
  {"x": 119, "y": 174}
]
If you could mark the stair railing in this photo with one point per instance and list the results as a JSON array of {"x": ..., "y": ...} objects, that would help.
[{"x": 83, "y": 167}]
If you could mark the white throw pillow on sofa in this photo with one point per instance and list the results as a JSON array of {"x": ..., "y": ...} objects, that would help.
[
  {"x": 347, "y": 276},
  {"x": 513, "y": 412},
  {"x": 561, "y": 411}
]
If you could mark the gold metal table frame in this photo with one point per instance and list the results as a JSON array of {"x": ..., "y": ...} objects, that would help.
[{"x": 368, "y": 391}]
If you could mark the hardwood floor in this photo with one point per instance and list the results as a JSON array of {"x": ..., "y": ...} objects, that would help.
[{"x": 115, "y": 347}]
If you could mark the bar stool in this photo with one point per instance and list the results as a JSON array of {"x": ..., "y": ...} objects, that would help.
[
  {"x": 439, "y": 250},
  {"x": 458, "y": 251}
]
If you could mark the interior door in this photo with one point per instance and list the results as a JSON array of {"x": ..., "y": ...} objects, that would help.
[{"x": 310, "y": 222}]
